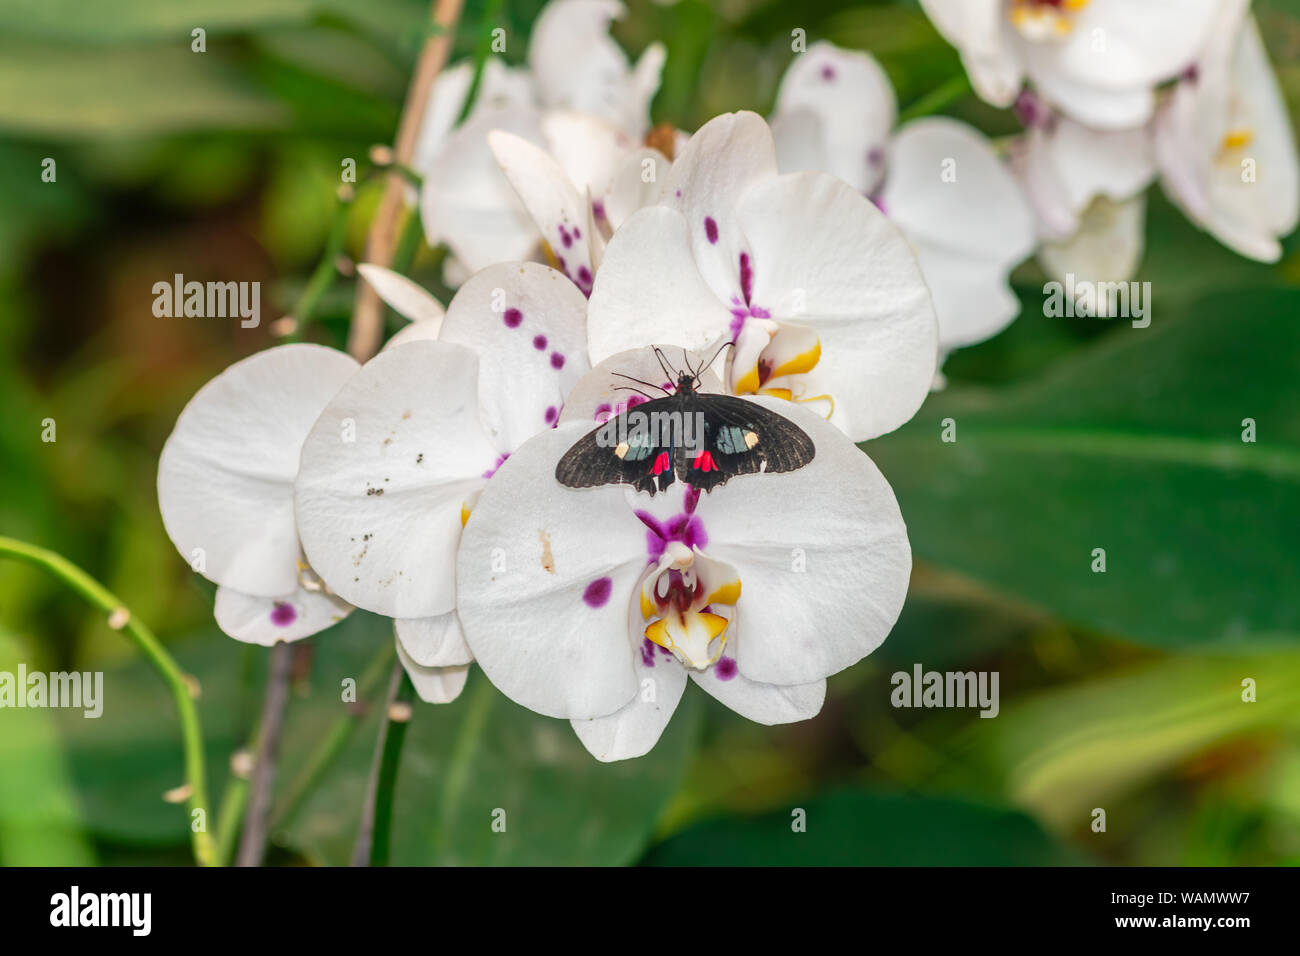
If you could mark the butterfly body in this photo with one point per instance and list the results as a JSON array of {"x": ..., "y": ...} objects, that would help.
[{"x": 699, "y": 438}]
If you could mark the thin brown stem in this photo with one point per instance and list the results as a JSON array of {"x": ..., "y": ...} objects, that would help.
[
  {"x": 252, "y": 845},
  {"x": 368, "y": 312},
  {"x": 361, "y": 850}
]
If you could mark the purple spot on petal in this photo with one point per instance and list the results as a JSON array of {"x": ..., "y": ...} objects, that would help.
[
  {"x": 725, "y": 668},
  {"x": 679, "y": 194},
  {"x": 604, "y": 410},
  {"x": 557, "y": 360},
  {"x": 648, "y": 652},
  {"x": 634, "y": 400},
  {"x": 577, "y": 233},
  {"x": 584, "y": 275},
  {"x": 539, "y": 343},
  {"x": 565, "y": 237},
  {"x": 597, "y": 593},
  {"x": 875, "y": 156},
  {"x": 501, "y": 459},
  {"x": 282, "y": 615},
  {"x": 512, "y": 318},
  {"x": 552, "y": 414},
  {"x": 828, "y": 72},
  {"x": 711, "y": 230},
  {"x": 746, "y": 277}
]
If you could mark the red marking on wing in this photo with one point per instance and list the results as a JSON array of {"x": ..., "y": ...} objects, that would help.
[
  {"x": 704, "y": 461},
  {"x": 661, "y": 464}
]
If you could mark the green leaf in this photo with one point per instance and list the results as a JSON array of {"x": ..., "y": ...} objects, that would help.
[
  {"x": 864, "y": 828},
  {"x": 464, "y": 762},
  {"x": 1134, "y": 447},
  {"x": 73, "y": 21},
  {"x": 118, "y": 92},
  {"x": 39, "y": 821},
  {"x": 1068, "y": 750}
]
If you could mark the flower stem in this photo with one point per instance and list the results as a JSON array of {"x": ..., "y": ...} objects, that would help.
[
  {"x": 943, "y": 95},
  {"x": 371, "y": 848},
  {"x": 205, "y": 851},
  {"x": 326, "y": 272},
  {"x": 368, "y": 314},
  {"x": 332, "y": 744},
  {"x": 252, "y": 845}
]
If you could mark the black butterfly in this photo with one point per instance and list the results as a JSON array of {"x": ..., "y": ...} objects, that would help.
[{"x": 700, "y": 438}]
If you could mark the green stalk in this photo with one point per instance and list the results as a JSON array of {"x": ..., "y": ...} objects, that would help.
[
  {"x": 205, "y": 851},
  {"x": 331, "y": 745},
  {"x": 942, "y": 96}
]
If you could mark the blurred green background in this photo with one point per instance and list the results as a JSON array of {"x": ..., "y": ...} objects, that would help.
[{"x": 1119, "y": 690}]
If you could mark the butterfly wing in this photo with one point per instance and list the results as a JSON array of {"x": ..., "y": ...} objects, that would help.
[
  {"x": 613, "y": 454},
  {"x": 743, "y": 438}
]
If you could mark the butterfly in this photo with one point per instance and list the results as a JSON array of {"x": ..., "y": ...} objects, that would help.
[{"x": 697, "y": 437}]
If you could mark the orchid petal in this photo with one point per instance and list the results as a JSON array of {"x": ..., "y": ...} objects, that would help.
[
  {"x": 267, "y": 621},
  {"x": 634, "y": 729},
  {"x": 434, "y": 685},
  {"x": 407, "y": 298},
  {"x": 531, "y": 564},
  {"x": 433, "y": 641},
  {"x": 851, "y": 95},
  {"x": 386, "y": 471},
  {"x": 528, "y": 325},
  {"x": 827, "y": 259},
  {"x": 225, "y": 476},
  {"x": 968, "y": 231}
]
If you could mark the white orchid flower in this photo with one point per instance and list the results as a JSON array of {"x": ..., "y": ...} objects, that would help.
[
  {"x": 577, "y": 65},
  {"x": 1225, "y": 146},
  {"x": 225, "y": 491},
  {"x": 596, "y": 605},
  {"x": 939, "y": 180},
  {"x": 1106, "y": 246},
  {"x": 397, "y": 458},
  {"x": 578, "y": 194},
  {"x": 818, "y": 291},
  {"x": 579, "y": 95},
  {"x": 1099, "y": 61},
  {"x": 1063, "y": 165}
]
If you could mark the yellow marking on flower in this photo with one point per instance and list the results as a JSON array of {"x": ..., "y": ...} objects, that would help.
[
  {"x": 464, "y": 515},
  {"x": 779, "y": 393},
  {"x": 728, "y": 593},
  {"x": 1236, "y": 139},
  {"x": 748, "y": 382},
  {"x": 657, "y": 631},
  {"x": 714, "y": 624},
  {"x": 549, "y": 254},
  {"x": 803, "y": 362},
  {"x": 648, "y": 608}
]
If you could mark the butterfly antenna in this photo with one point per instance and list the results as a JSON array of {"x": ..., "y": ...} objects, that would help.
[
  {"x": 663, "y": 364},
  {"x": 641, "y": 382},
  {"x": 709, "y": 364},
  {"x": 632, "y": 388}
]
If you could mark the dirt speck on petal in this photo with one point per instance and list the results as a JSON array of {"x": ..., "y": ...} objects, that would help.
[{"x": 548, "y": 559}]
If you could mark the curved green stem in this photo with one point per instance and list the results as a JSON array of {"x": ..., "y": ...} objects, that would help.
[
  {"x": 325, "y": 273},
  {"x": 205, "y": 852},
  {"x": 943, "y": 95}
]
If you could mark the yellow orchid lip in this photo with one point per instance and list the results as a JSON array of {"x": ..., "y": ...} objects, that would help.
[
  {"x": 1044, "y": 19},
  {"x": 680, "y": 597}
]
